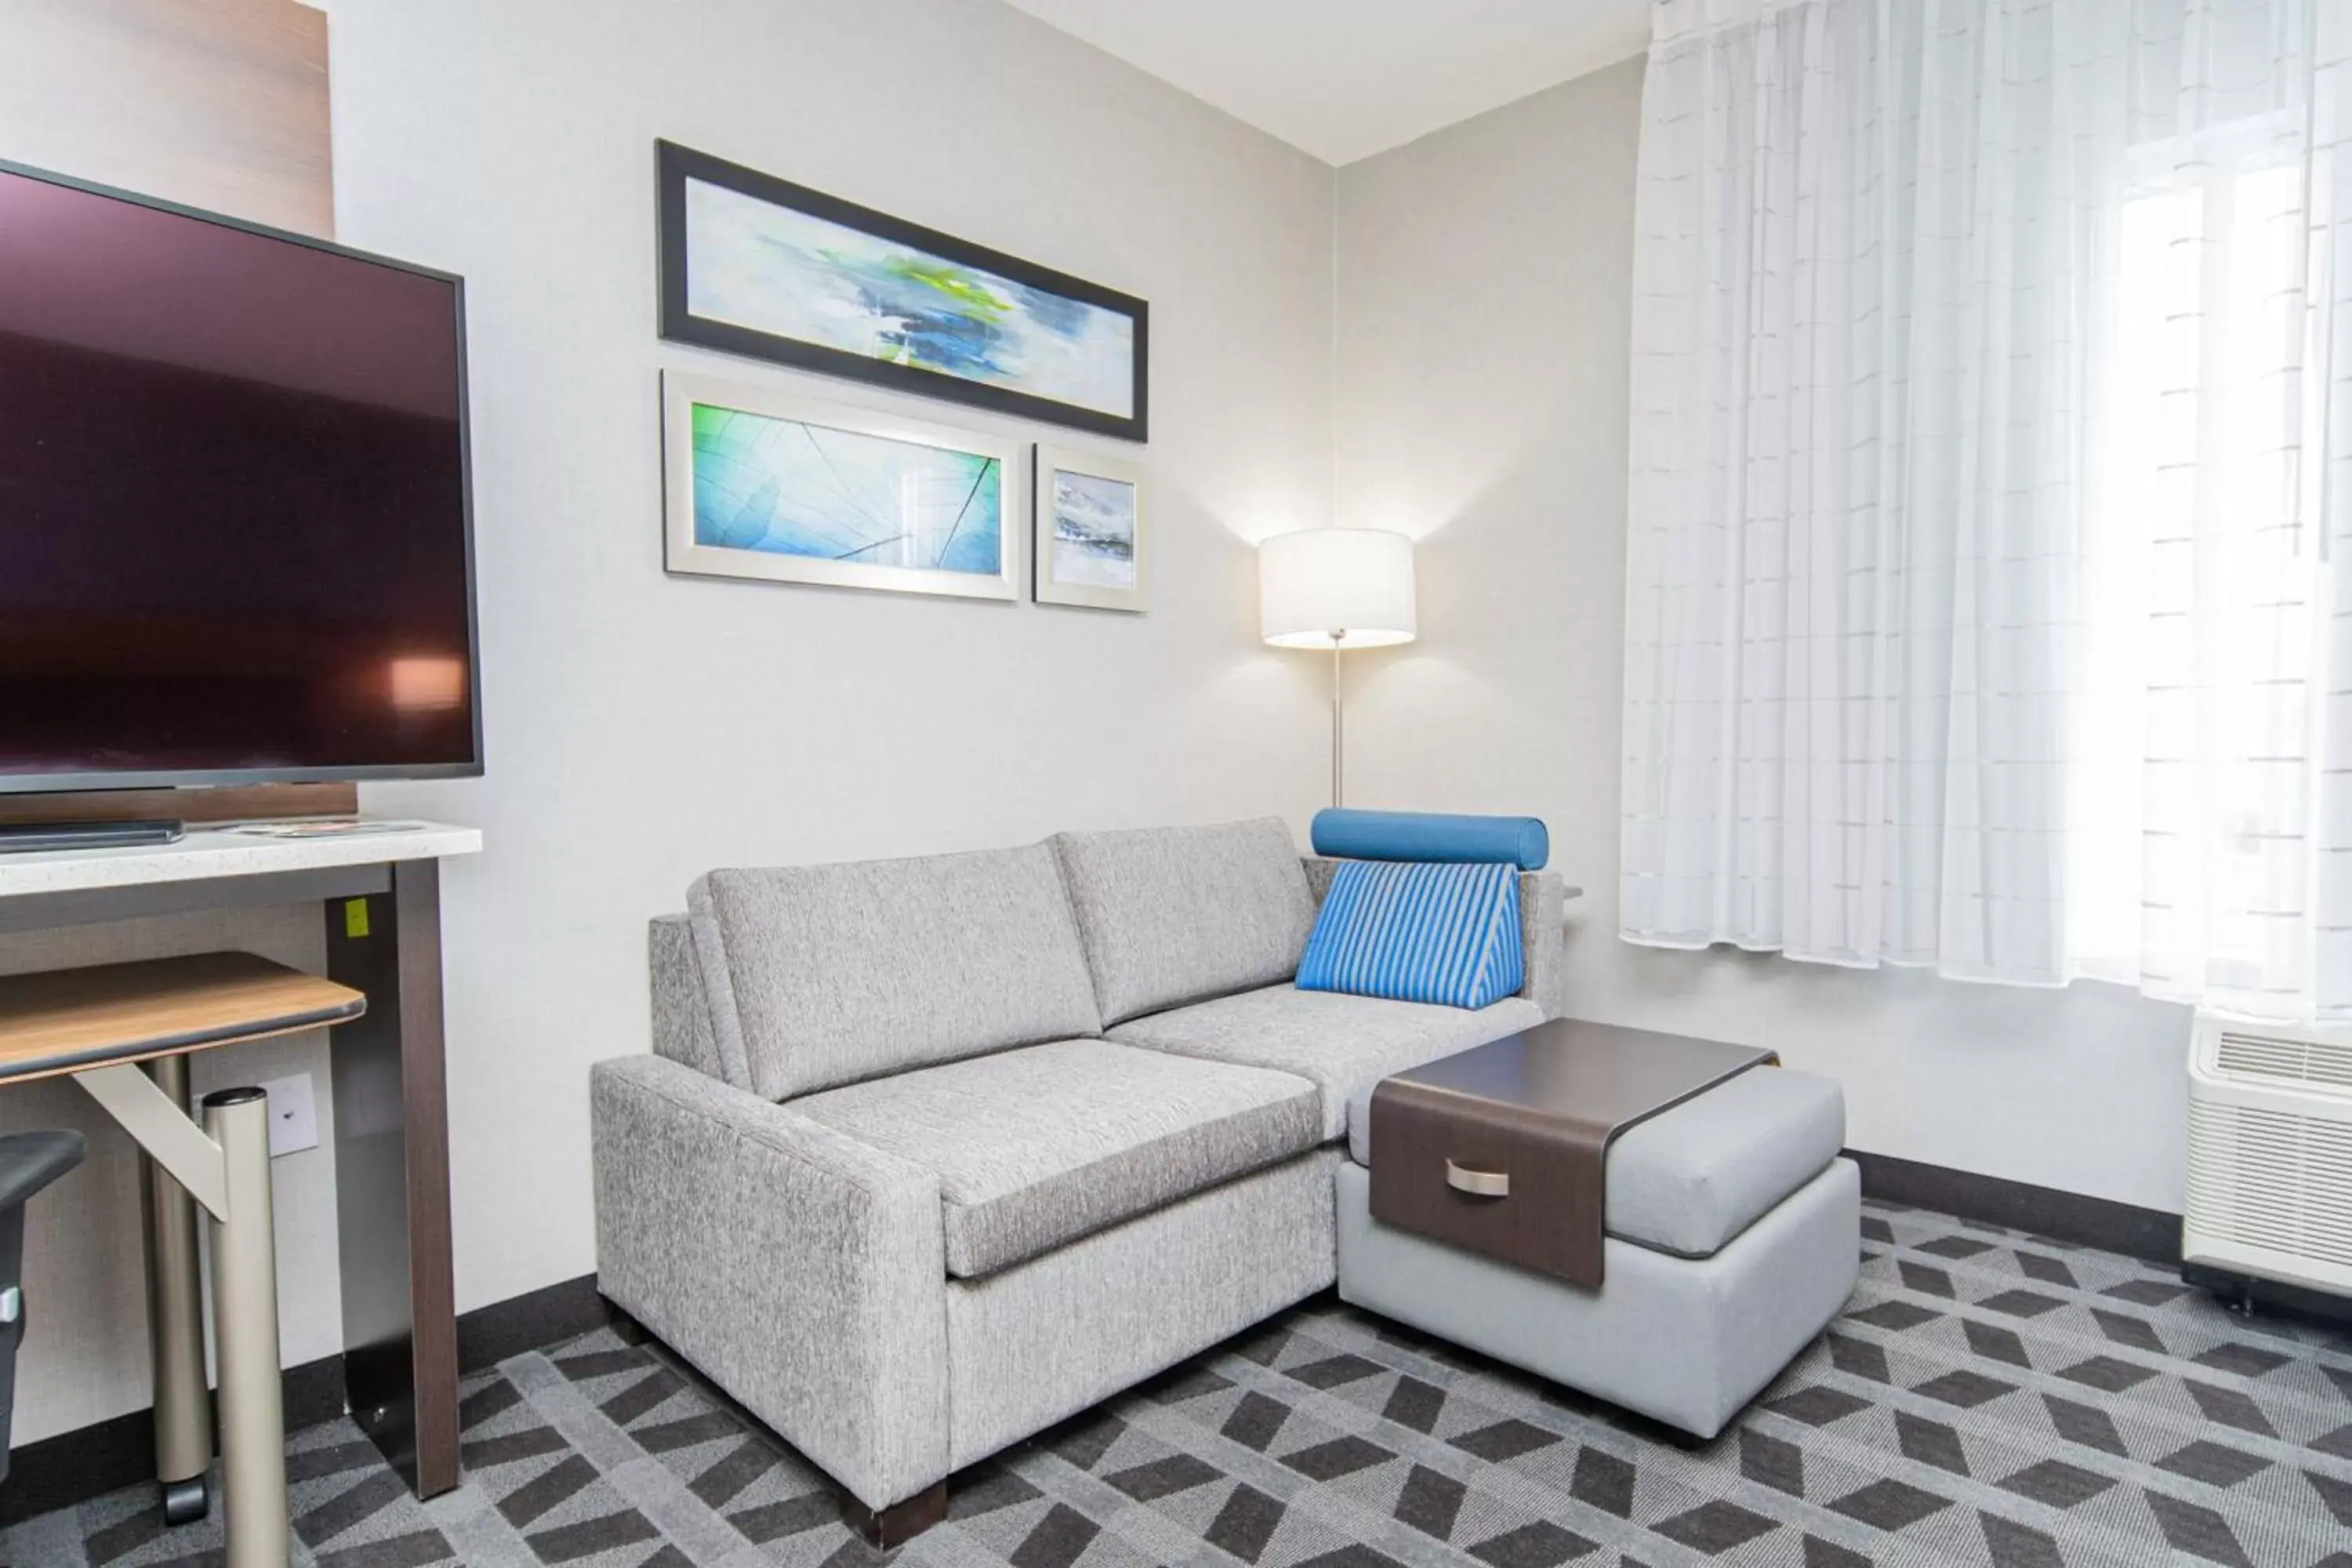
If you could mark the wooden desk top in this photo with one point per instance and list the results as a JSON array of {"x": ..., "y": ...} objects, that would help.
[{"x": 67, "y": 1020}]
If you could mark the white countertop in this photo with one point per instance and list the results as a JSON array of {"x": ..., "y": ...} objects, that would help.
[{"x": 225, "y": 850}]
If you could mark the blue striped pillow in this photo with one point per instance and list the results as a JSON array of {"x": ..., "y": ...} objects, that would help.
[{"x": 1410, "y": 931}]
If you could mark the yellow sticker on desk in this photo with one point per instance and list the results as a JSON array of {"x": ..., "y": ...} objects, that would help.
[{"x": 355, "y": 918}]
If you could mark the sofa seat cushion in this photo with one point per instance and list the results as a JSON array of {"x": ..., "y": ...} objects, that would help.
[
  {"x": 1689, "y": 1180},
  {"x": 1041, "y": 1145},
  {"x": 1171, "y": 915},
  {"x": 1342, "y": 1043}
]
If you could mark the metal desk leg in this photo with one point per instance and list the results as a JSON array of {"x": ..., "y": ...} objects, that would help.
[
  {"x": 175, "y": 1325},
  {"x": 224, "y": 1166},
  {"x": 245, "y": 1330}
]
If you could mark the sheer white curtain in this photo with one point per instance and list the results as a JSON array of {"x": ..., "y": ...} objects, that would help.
[{"x": 1990, "y": 553}]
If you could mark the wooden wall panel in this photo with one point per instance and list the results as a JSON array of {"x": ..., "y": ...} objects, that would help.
[{"x": 219, "y": 104}]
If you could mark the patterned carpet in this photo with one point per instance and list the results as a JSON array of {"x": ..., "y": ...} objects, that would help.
[{"x": 1987, "y": 1399}]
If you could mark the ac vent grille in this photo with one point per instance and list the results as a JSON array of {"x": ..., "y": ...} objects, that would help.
[
  {"x": 2272, "y": 1179},
  {"x": 2284, "y": 1060}
]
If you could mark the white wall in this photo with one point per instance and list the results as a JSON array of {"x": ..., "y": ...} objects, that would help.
[
  {"x": 1484, "y": 287},
  {"x": 642, "y": 728}
]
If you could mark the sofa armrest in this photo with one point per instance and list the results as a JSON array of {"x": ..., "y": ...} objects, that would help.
[
  {"x": 1543, "y": 932},
  {"x": 804, "y": 1271}
]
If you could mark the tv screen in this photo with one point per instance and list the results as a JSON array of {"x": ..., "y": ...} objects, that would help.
[{"x": 234, "y": 535}]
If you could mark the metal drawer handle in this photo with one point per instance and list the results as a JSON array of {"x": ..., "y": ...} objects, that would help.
[{"x": 1478, "y": 1184}]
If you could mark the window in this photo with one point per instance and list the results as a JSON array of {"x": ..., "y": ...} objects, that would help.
[{"x": 2201, "y": 593}]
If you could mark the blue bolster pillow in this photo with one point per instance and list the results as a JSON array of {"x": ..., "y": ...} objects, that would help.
[{"x": 1346, "y": 835}]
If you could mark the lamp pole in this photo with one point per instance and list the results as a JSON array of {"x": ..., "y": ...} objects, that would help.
[{"x": 1338, "y": 747}]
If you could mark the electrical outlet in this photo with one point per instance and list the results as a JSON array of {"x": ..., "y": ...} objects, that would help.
[{"x": 293, "y": 1115}]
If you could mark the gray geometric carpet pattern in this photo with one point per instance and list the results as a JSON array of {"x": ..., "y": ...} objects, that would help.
[{"x": 1987, "y": 1398}]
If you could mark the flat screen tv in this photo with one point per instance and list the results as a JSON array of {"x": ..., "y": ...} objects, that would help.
[{"x": 234, "y": 535}]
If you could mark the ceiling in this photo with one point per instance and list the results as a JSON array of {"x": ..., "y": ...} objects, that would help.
[{"x": 1346, "y": 79}]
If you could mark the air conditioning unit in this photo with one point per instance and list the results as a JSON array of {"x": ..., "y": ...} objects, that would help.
[{"x": 2270, "y": 1151}]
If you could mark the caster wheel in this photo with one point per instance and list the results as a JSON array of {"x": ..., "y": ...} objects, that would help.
[{"x": 184, "y": 1503}]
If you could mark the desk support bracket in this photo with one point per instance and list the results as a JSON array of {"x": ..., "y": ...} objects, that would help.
[{"x": 163, "y": 1129}]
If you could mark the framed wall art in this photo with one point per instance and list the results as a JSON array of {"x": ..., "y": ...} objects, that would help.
[
  {"x": 758, "y": 265},
  {"x": 1091, "y": 532},
  {"x": 763, "y": 483}
]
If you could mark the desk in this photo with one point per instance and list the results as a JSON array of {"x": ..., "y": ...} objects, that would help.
[
  {"x": 381, "y": 891},
  {"x": 95, "y": 1024}
]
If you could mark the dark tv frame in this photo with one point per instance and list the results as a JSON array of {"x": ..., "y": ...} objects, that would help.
[
  {"x": 60, "y": 783},
  {"x": 675, "y": 165}
]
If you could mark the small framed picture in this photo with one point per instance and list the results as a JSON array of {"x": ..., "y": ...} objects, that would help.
[
  {"x": 1091, "y": 540},
  {"x": 762, "y": 482}
]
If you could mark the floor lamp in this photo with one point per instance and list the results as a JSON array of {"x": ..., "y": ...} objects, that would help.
[{"x": 1337, "y": 588}]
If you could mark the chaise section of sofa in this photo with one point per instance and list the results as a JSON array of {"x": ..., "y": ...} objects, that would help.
[{"x": 935, "y": 1153}]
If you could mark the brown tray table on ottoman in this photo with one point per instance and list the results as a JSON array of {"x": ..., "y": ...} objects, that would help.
[{"x": 1659, "y": 1221}]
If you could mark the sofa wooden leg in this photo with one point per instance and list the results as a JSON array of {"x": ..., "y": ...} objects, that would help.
[
  {"x": 626, "y": 1329},
  {"x": 885, "y": 1528}
]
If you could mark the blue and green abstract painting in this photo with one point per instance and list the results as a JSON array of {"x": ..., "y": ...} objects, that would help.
[
  {"x": 787, "y": 488},
  {"x": 770, "y": 268}
]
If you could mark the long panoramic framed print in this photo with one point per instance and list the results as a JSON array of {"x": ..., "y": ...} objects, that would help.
[
  {"x": 758, "y": 265},
  {"x": 758, "y": 482}
]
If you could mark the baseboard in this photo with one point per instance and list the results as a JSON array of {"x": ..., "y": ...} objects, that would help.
[
  {"x": 90, "y": 1461},
  {"x": 530, "y": 1321},
  {"x": 2153, "y": 1236},
  {"x": 57, "y": 1472}
]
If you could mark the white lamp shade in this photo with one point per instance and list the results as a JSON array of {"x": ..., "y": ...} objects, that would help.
[{"x": 1348, "y": 587}]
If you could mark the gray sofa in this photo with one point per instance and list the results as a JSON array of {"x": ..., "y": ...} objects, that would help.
[{"x": 932, "y": 1153}]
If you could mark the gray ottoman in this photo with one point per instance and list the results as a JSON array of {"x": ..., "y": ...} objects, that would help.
[{"x": 1734, "y": 1237}]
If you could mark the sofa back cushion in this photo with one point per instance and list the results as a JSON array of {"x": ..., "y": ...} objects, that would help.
[
  {"x": 832, "y": 975},
  {"x": 681, "y": 1006},
  {"x": 1172, "y": 915}
]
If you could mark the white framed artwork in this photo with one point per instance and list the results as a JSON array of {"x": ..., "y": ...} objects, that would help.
[
  {"x": 762, "y": 482},
  {"x": 1091, "y": 534}
]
